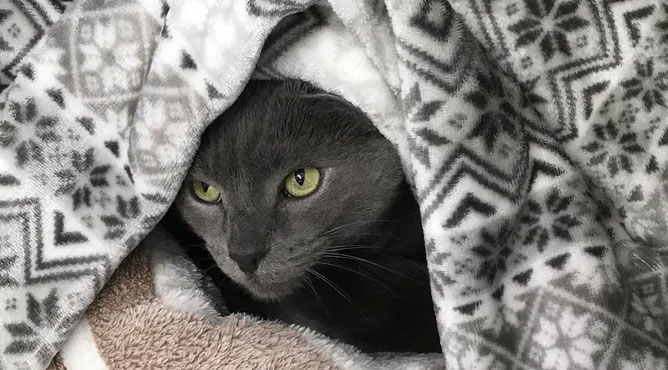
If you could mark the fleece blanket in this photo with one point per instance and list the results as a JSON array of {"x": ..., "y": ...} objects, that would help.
[
  {"x": 157, "y": 312},
  {"x": 533, "y": 132}
]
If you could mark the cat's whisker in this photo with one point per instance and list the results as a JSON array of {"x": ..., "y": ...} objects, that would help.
[
  {"x": 327, "y": 237},
  {"x": 356, "y": 272},
  {"x": 331, "y": 284},
  {"x": 346, "y": 256},
  {"x": 331, "y": 231},
  {"x": 338, "y": 248},
  {"x": 209, "y": 268},
  {"x": 198, "y": 245},
  {"x": 204, "y": 260},
  {"x": 411, "y": 215},
  {"x": 315, "y": 293},
  {"x": 338, "y": 290}
]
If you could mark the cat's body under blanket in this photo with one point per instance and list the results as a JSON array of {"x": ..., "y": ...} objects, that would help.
[{"x": 304, "y": 207}]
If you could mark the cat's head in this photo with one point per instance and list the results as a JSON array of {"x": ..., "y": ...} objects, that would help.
[{"x": 285, "y": 174}]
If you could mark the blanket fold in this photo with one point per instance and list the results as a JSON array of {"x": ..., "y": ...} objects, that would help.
[{"x": 533, "y": 133}]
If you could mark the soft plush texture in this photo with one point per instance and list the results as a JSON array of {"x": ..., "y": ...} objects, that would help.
[
  {"x": 155, "y": 314},
  {"x": 534, "y": 133}
]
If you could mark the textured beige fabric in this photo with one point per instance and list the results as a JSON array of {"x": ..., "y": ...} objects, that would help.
[
  {"x": 133, "y": 330},
  {"x": 152, "y": 314}
]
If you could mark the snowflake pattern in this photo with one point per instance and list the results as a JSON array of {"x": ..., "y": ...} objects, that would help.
[
  {"x": 564, "y": 339},
  {"x": 550, "y": 219},
  {"x": 647, "y": 84},
  {"x": 43, "y": 316},
  {"x": 111, "y": 56},
  {"x": 497, "y": 115},
  {"x": 494, "y": 252},
  {"x": 613, "y": 150},
  {"x": 31, "y": 149},
  {"x": 549, "y": 25}
]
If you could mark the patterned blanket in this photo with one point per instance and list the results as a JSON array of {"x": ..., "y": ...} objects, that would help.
[{"x": 534, "y": 133}]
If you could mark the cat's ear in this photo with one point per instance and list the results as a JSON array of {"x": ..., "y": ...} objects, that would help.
[
  {"x": 325, "y": 95},
  {"x": 307, "y": 90}
]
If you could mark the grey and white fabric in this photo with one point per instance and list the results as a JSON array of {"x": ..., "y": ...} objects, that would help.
[{"x": 534, "y": 133}]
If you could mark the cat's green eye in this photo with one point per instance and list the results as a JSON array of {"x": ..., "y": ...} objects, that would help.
[
  {"x": 302, "y": 182},
  {"x": 205, "y": 192}
]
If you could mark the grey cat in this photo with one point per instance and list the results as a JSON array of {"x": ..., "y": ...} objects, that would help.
[{"x": 303, "y": 206}]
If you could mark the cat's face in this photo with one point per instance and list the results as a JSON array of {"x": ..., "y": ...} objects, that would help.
[{"x": 284, "y": 175}]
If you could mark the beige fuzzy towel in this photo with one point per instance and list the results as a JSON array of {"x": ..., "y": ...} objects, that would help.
[{"x": 153, "y": 314}]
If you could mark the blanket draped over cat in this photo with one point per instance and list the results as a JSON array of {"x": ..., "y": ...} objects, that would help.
[{"x": 533, "y": 132}]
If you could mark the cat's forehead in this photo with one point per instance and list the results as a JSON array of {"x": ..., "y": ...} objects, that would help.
[{"x": 277, "y": 127}]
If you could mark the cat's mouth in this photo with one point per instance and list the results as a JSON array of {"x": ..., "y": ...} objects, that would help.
[
  {"x": 265, "y": 284},
  {"x": 269, "y": 290}
]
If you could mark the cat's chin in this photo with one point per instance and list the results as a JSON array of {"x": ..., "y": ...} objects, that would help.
[{"x": 269, "y": 292}]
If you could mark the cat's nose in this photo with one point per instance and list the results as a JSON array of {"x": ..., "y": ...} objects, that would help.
[{"x": 248, "y": 261}]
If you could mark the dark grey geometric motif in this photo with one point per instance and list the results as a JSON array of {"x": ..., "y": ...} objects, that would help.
[
  {"x": 4, "y": 14},
  {"x": 662, "y": 25},
  {"x": 435, "y": 18},
  {"x": 60, "y": 5},
  {"x": 30, "y": 150},
  {"x": 551, "y": 34},
  {"x": 275, "y": 8},
  {"x": 648, "y": 84},
  {"x": 287, "y": 33},
  {"x": 589, "y": 92},
  {"x": 632, "y": 19},
  {"x": 5, "y": 265},
  {"x": 43, "y": 315},
  {"x": 8, "y": 180},
  {"x": 430, "y": 68},
  {"x": 529, "y": 96},
  {"x": 561, "y": 68},
  {"x": 464, "y": 163},
  {"x": 542, "y": 168},
  {"x": 187, "y": 61},
  {"x": 497, "y": 114},
  {"x": 613, "y": 149},
  {"x": 25, "y": 216},
  {"x": 493, "y": 250},
  {"x": 560, "y": 222},
  {"x": 418, "y": 110},
  {"x": 65, "y": 237},
  {"x": 469, "y": 203},
  {"x": 19, "y": 9},
  {"x": 39, "y": 314}
]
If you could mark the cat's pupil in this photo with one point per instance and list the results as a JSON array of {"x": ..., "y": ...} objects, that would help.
[
  {"x": 205, "y": 187},
  {"x": 299, "y": 177}
]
